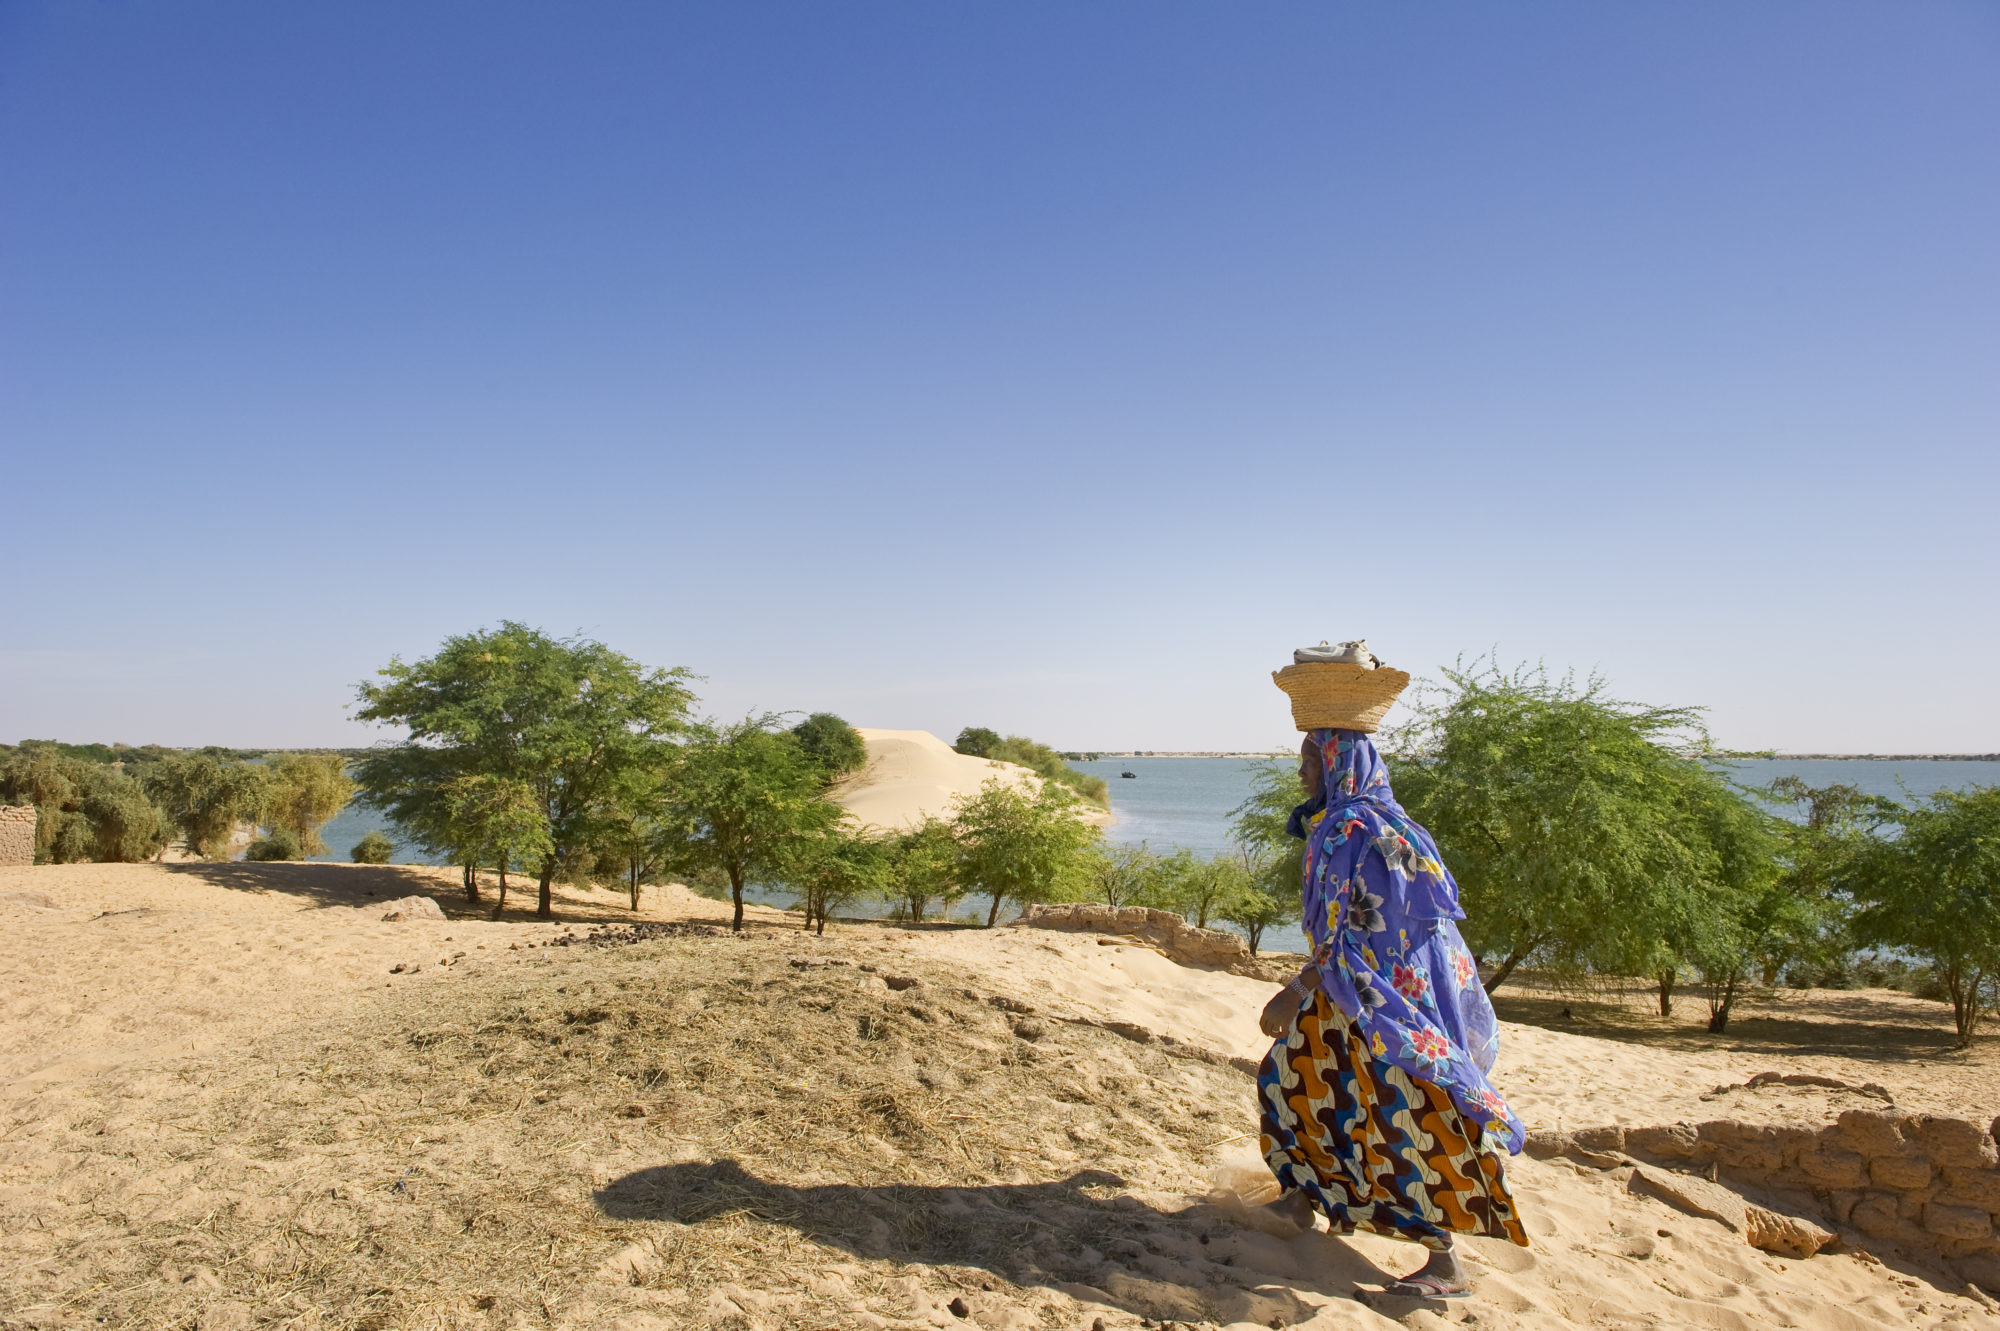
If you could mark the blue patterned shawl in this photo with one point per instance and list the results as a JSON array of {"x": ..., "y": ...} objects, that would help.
[{"x": 1379, "y": 907}]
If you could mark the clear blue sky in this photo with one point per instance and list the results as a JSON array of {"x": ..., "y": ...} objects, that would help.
[{"x": 1050, "y": 366}]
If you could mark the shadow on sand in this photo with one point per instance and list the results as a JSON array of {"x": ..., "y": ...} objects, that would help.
[
  {"x": 323, "y": 884},
  {"x": 1079, "y": 1234}
]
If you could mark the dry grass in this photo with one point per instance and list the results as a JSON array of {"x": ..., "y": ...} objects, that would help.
[
  {"x": 711, "y": 1120},
  {"x": 1855, "y": 1034}
]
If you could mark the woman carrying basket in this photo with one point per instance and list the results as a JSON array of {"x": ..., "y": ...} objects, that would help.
[{"x": 1376, "y": 1108}]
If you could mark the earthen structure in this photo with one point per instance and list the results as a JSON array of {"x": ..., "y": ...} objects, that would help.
[
  {"x": 1926, "y": 1184},
  {"x": 17, "y": 834}
]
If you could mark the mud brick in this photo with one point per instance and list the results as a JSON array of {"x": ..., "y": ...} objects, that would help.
[
  {"x": 1958, "y": 1222},
  {"x": 1953, "y": 1141},
  {"x": 1904, "y": 1173},
  {"x": 1875, "y": 1132},
  {"x": 1834, "y": 1168}
]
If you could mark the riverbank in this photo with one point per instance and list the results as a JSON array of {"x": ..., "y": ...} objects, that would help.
[{"x": 236, "y": 1094}]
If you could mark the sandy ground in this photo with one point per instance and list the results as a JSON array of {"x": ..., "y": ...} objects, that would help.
[
  {"x": 202, "y": 1068},
  {"x": 912, "y": 774}
]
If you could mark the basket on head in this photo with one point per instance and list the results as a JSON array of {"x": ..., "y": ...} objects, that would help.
[{"x": 1334, "y": 696}]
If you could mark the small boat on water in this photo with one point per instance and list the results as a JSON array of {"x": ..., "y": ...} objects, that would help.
[{"x": 1129, "y": 775}]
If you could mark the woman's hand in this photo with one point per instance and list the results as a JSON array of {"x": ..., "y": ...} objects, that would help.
[
  {"x": 1276, "y": 1019},
  {"x": 1278, "y": 1015}
]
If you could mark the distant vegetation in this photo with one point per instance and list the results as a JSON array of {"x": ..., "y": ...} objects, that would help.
[
  {"x": 1590, "y": 836},
  {"x": 1045, "y": 762},
  {"x": 116, "y": 802}
]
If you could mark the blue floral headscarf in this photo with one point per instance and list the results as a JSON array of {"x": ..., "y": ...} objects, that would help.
[{"x": 1379, "y": 908}]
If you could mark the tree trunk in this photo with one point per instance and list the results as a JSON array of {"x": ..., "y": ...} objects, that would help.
[
  {"x": 501, "y": 904},
  {"x": 472, "y": 882},
  {"x": 1718, "y": 1015},
  {"x": 545, "y": 902},
  {"x": 993, "y": 916},
  {"x": 1666, "y": 993},
  {"x": 503, "y": 874},
  {"x": 635, "y": 884},
  {"x": 1964, "y": 1003},
  {"x": 1256, "y": 935},
  {"x": 736, "y": 895},
  {"x": 1507, "y": 967}
]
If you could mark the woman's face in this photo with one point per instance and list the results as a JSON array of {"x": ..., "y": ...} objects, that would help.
[{"x": 1312, "y": 772}]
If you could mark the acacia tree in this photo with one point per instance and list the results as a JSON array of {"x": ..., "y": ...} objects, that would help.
[
  {"x": 205, "y": 796},
  {"x": 738, "y": 802},
  {"x": 1120, "y": 875},
  {"x": 569, "y": 719},
  {"x": 1022, "y": 846},
  {"x": 836, "y": 867},
  {"x": 307, "y": 791},
  {"x": 1935, "y": 890},
  {"x": 1567, "y": 817},
  {"x": 923, "y": 867}
]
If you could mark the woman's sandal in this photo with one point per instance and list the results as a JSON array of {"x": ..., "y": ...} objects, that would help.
[{"x": 1423, "y": 1286}]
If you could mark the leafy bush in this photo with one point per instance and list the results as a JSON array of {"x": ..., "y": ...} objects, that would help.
[
  {"x": 374, "y": 848},
  {"x": 85, "y": 811},
  {"x": 835, "y": 747},
  {"x": 1043, "y": 761},
  {"x": 279, "y": 844},
  {"x": 977, "y": 741}
]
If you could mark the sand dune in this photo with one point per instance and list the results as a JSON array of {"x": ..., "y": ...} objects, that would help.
[
  {"x": 912, "y": 774},
  {"x": 235, "y": 1095}
]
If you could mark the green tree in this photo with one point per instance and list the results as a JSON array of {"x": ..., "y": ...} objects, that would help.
[
  {"x": 1120, "y": 875},
  {"x": 205, "y": 796},
  {"x": 84, "y": 810},
  {"x": 1827, "y": 827},
  {"x": 307, "y": 791},
  {"x": 1934, "y": 889},
  {"x": 1257, "y": 908},
  {"x": 1576, "y": 824},
  {"x": 569, "y": 719},
  {"x": 494, "y": 819},
  {"x": 1014, "y": 845},
  {"x": 373, "y": 848},
  {"x": 1211, "y": 886},
  {"x": 1275, "y": 858},
  {"x": 835, "y": 868},
  {"x": 923, "y": 868},
  {"x": 976, "y": 741},
  {"x": 834, "y": 747},
  {"x": 740, "y": 800}
]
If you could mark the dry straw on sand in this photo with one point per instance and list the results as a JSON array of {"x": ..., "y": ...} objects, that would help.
[{"x": 741, "y": 1116}]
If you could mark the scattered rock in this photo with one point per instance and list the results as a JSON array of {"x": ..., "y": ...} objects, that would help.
[
  {"x": 1697, "y": 1196},
  {"x": 957, "y": 1307},
  {"x": 1787, "y": 1235},
  {"x": 412, "y": 908},
  {"x": 901, "y": 982}
]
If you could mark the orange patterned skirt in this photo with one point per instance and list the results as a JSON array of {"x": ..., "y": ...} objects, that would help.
[{"x": 1375, "y": 1148}]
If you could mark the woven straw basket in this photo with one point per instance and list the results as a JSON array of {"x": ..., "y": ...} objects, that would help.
[{"x": 1334, "y": 696}]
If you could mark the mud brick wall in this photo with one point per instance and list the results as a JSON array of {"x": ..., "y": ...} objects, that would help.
[
  {"x": 17, "y": 834},
  {"x": 1923, "y": 1182}
]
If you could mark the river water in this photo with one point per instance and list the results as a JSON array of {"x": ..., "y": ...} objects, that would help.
[{"x": 1186, "y": 803}]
